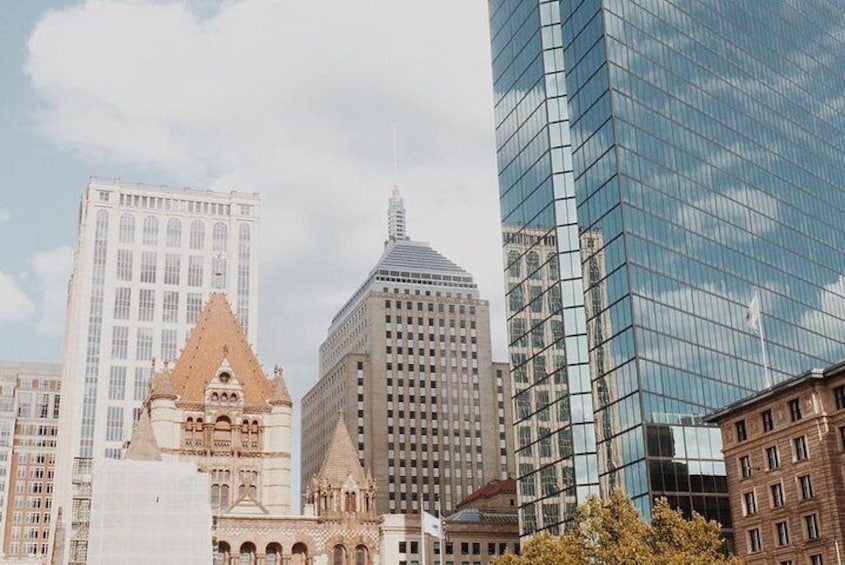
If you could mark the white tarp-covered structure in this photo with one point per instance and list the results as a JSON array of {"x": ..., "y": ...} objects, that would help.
[{"x": 145, "y": 512}]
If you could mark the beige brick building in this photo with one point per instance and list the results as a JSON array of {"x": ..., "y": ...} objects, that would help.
[
  {"x": 30, "y": 395},
  {"x": 407, "y": 360},
  {"x": 785, "y": 454}
]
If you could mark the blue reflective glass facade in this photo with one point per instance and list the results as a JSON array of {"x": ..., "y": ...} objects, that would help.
[{"x": 668, "y": 158}]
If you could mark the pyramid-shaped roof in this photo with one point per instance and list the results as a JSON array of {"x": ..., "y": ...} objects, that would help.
[
  {"x": 217, "y": 336},
  {"x": 341, "y": 460},
  {"x": 412, "y": 262},
  {"x": 143, "y": 445}
]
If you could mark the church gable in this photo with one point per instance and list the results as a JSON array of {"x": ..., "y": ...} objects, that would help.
[{"x": 218, "y": 340}]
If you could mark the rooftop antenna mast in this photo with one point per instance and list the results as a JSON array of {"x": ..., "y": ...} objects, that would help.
[{"x": 395, "y": 160}]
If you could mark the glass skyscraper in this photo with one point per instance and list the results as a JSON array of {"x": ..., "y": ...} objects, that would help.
[{"x": 660, "y": 162}]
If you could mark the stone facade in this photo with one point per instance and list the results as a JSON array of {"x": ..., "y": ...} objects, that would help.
[
  {"x": 408, "y": 361},
  {"x": 785, "y": 454}
]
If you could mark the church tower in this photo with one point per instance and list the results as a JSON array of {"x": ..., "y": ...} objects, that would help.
[{"x": 217, "y": 408}]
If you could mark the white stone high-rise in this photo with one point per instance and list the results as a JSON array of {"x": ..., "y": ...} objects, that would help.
[{"x": 146, "y": 260}]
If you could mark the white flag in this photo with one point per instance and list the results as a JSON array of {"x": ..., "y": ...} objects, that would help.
[
  {"x": 752, "y": 317},
  {"x": 431, "y": 525}
]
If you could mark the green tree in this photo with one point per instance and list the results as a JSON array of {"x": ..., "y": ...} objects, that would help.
[{"x": 612, "y": 532}]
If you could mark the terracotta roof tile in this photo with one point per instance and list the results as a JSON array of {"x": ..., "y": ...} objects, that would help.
[
  {"x": 218, "y": 335},
  {"x": 491, "y": 489}
]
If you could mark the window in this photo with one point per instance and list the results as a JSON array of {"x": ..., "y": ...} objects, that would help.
[
  {"x": 795, "y": 409},
  {"x": 839, "y": 395},
  {"x": 150, "y": 230},
  {"x": 194, "y": 306},
  {"x": 805, "y": 484},
  {"x": 117, "y": 383},
  {"x": 219, "y": 235},
  {"x": 768, "y": 422},
  {"x": 194, "y": 270},
  {"x": 174, "y": 232},
  {"x": 812, "y": 524},
  {"x": 124, "y": 265},
  {"x": 170, "y": 306},
  {"x": 842, "y": 436},
  {"x": 141, "y": 384},
  {"x": 776, "y": 491},
  {"x": 148, "y": 267},
  {"x": 749, "y": 503},
  {"x": 144, "y": 344},
  {"x": 172, "y": 266},
  {"x": 816, "y": 560},
  {"x": 197, "y": 235},
  {"x": 799, "y": 445},
  {"x": 168, "y": 345},
  {"x": 754, "y": 542},
  {"x": 127, "y": 228},
  {"x": 782, "y": 529},
  {"x": 218, "y": 272},
  {"x": 122, "y": 300},
  {"x": 114, "y": 423},
  {"x": 741, "y": 433},
  {"x": 146, "y": 305},
  {"x": 120, "y": 342},
  {"x": 772, "y": 457},
  {"x": 745, "y": 466}
]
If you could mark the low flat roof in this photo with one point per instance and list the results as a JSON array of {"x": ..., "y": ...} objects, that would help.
[{"x": 776, "y": 390}]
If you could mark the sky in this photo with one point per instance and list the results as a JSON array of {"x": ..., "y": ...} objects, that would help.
[{"x": 295, "y": 100}]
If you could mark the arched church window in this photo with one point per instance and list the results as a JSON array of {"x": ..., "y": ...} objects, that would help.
[
  {"x": 339, "y": 555},
  {"x": 362, "y": 556}
]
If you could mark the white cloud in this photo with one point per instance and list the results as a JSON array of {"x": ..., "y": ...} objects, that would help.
[
  {"x": 5, "y": 215},
  {"x": 295, "y": 100},
  {"x": 52, "y": 270},
  {"x": 15, "y": 305},
  {"x": 750, "y": 209}
]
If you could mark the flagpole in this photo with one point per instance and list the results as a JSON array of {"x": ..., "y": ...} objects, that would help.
[
  {"x": 423, "y": 556},
  {"x": 440, "y": 534}
]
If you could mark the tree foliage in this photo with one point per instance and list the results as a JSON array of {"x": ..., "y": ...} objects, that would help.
[{"x": 612, "y": 532}]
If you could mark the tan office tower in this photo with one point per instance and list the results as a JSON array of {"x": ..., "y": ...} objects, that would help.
[{"x": 407, "y": 360}]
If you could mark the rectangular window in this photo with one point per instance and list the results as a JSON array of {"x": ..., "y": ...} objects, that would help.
[
  {"x": 812, "y": 524},
  {"x": 795, "y": 409},
  {"x": 842, "y": 436},
  {"x": 776, "y": 491},
  {"x": 768, "y": 422},
  {"x": 146, "y": 305},
  {"x": 194, "y": 306},
  {"x": 816, "y": 560},
  {"x": 170, "y": 306},
  {"x": 120, "y": 342},
  {"x": 148, "y": 267},
  {"x": 144, "y": 344},
  {"x": 806, "y": 486},
  {"x": 772, "y": 457},
  {"x": 168, "y": 345},
  {"x": 172, "y": 265},
  {"x": 799, "y": 445},
  {"x": 745, "y": 466},
  {"x": 122, "y": 301},
  {"x": 782, "y": 529},
  {"x": 839, "y": 395},
  {"x": 124, "y": 265},
  {"x": 114, "y": 424},
  {"x": 754, "y": 542},
  {"x": 741, "y": 433},
  {"x": 141, "y": 385},
  {"x": 117, "y": 383},
  {"x": 749, "y": 503},
  {"x": 195, "y": 270}
]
